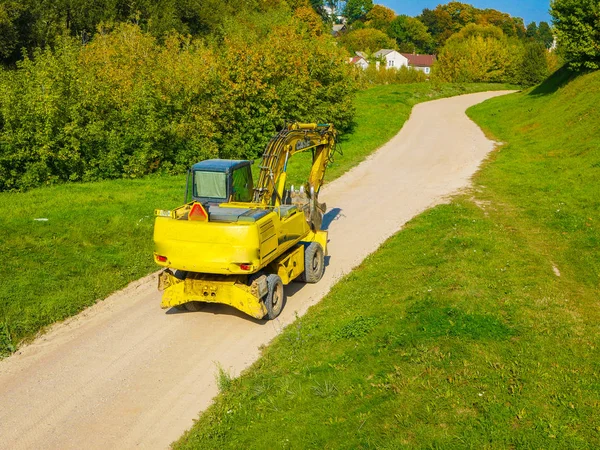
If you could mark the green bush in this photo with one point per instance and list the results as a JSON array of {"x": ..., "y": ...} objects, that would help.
[
  {"x": 534, "y": 67},
  {"x": 126, "y": 105},
  {"x": 479, "y": 53},
  {"x": 403, "y": 75}
]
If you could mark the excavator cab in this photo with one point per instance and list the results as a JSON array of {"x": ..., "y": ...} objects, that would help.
[{"x": 216, "y": 181}]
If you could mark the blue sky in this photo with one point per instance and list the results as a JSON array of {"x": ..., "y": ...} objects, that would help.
[{"x": 529, "y": 10}]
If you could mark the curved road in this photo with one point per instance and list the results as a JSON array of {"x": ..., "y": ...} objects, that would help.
[{"x": 125, "y": 373}]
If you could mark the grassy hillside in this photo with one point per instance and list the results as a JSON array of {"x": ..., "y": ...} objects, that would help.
[
  {"x": 474, "y": 327},
  {"x": 98, "y": 236}
]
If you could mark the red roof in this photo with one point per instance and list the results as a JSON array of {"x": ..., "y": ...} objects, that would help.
[
  {"x": 419, "y": 60},
  {"x": 356, "y": 59}
]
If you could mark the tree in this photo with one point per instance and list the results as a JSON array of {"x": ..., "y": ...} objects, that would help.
[
  {"x": 438, "y": 23},
  {"x": 446, "y": 20},
  {"x": 510, "y": 26},
  {"x": 532, "y": 31},
  {"x": 380, "y": 17},
  {"x": 545, "y": 35},
  {"x": 577, "y": 24},
  {"x": 534, "y": 65},
  {"x": 311, "y": 18},
  {"x": 9, "y": 35},
  {"x": 410, "y": 34},
  {"x": 366, "y": 39},
  {"x": 357, "y": 9},
  {"x": 478, "y": 54}
]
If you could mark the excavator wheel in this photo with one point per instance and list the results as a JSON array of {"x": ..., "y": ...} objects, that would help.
[
  {"x": 275, "y": 298},
  {"x": 314, "y": 263}
]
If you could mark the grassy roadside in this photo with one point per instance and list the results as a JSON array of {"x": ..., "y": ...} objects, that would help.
[
  {"x": 475, "y": 327},
  {"x": 98, "y": 235}
]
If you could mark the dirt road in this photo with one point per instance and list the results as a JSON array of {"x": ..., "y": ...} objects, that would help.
[{"x": 126, "y": 374}]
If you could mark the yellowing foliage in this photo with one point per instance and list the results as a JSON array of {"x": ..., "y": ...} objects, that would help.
[
  {"x": 128, "y": 105},
  {"x": 479, "y": 54}
]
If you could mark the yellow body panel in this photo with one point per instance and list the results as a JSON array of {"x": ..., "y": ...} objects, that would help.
[
  {"x": 290, "y": 265},
  {"x": 220, "y": 248}
]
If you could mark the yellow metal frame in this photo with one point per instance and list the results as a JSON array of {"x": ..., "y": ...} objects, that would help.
[
  {"x": 209, "y": 288},
  {"x": 233, "y": 290}
]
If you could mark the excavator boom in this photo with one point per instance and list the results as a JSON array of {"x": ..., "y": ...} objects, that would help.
[{"x": 294, "y": 138}]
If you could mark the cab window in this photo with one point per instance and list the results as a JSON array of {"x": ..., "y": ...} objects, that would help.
[
  {"x": 242, "y": 185},
  {"x": 210, "y": 184}
]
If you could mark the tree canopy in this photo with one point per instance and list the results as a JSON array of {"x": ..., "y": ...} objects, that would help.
[
  {"x": 357, "y": 9},
  {"x": 379, "y": 17},
  {"x": 366, "y": 39},
  {"x": 577, "y": 24},
  {"x": 446, "y": 20},
  {"x": 411, "y": 35},
  {"x": 478, "y": 53}
]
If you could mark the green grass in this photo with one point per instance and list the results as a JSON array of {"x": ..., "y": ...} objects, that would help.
[
  {"x": 458, "y": 332},
  {"x": 99, "y": 235}
]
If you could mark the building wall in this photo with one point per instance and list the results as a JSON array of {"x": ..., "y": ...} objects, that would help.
[
  {"x": 395, "y": 60},
  {"x": 427, "y": 70}
]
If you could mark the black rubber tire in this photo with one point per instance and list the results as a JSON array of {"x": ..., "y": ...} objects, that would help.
[
  {"x": 275, "y": 298},
  {"x": 180, "y": 274},
  {"x": 314, "y": 263},
  {"x": 194, "y": 306}
]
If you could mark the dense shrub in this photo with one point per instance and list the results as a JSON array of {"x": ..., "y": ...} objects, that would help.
[
  {"x": 403, "y": 75},
  {"x": 534, "y": 67},
  {"x": 367, "y": 40},
  {"x": 479, "y": 53},
  {"x": 127, "y": 105}
]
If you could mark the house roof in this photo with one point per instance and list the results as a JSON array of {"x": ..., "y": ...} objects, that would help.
[
  {"x": 383, "y": 52},
  {"x": 361, "y": 54},
  {"x": 356, "y": 59},
  {"x": 338, "y": 28},
  {"x": 419, "y": 60}
]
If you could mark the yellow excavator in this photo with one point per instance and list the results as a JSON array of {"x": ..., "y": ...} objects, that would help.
[{"x": 239, "y": 244}]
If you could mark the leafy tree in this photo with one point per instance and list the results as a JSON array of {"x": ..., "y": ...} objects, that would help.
[
  {"x": 577, "y": 24},
  {"x": 478, "y": 53},
  {"x": 357, "y": 9},
  {"x": 127, "y": 103},
  {"x": 38, "y": 23},
  {"x": 510, "y": 26},
  {"x": 380, "y": 17},
  {"x": 335, "y": 9},
  {"x": 532, "y": 31},
  {"x": 545, "y": 35},
  {"x": 9, "y": 35},
  {"x": 439, "y": 24},
  {"x": 534, "y": 65},
  {"x": 310, "y": 17},
  {"x": 411, "y": 34},
  {"x": 446, "y": 20},
  {"x": 368, "y": 40}
]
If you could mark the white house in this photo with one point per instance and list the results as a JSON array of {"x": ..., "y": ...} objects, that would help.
[
  {"x": 424, "y": 63},
  {"x": 392, "y": 58},
  {"x": 359, "y": 61}
]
